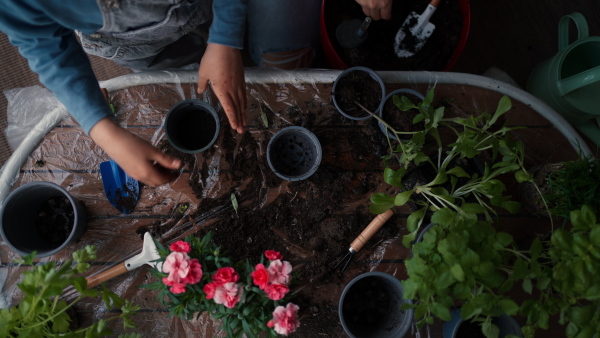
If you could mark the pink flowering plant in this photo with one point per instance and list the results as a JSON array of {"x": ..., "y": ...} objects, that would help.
[{"x": 247, "y": 298}]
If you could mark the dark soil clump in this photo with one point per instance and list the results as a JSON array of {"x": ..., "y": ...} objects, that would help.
[{"x": 54, "y": 221}]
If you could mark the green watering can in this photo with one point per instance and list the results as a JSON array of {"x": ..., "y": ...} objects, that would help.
[{"x": 569, "y": 82}]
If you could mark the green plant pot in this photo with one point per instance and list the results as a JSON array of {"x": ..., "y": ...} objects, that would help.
[
  {"x": 506, "y": 324},
  {"x": 26, "y": 221},
  {"x": 192, "y": 126},
  {"x": 370, "y": 307}
]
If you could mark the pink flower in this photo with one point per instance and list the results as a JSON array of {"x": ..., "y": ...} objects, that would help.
[
  {"x": 180, "y": 246},
  {"x": 210, "y": 289},
  {"x": 273, "y": 255},
  {"x": 225, "y": 275},
  {"x": 285, "y": 319},
  {"x": 177, "y": 266},
  {"x": 279, "y": 272},
  {"x": 276, "y": 291},
  {"x": 260, "y": 276},
  {"x": 175, "y": 287},
  {"x": 195, "y": 273},
  {"x": 228, "y": 294}
]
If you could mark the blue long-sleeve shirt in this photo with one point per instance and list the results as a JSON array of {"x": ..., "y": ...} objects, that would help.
[{"x": 43, "y": 30}]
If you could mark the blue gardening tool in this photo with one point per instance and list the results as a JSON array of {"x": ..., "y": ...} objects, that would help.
[{"x": 121, "y": 190}]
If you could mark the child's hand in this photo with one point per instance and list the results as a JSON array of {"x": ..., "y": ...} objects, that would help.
[
  {"x": 223, "y": 67},
  {"x": 136, "y": 156},
  {"x": 377, "y": 9}
]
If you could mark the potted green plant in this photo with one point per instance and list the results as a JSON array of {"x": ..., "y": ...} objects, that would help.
[
  {"x": 42, "y": 313},
  {"x": 564, "y": 186},
  {"x": 465, "y": 261},
  {"x": 567, "y": 279},
  {"x": 449, "y": 183},
  {"x": 248, "y": 299}
]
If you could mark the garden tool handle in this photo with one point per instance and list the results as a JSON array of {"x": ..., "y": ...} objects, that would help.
[
  {"x": 105, "y": 93},
  {"x": 435, "y": 3},
  {"x": 103, "y": 276},
  {"x": 370, "y": 230}
]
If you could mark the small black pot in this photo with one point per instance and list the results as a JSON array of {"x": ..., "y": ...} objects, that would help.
[
  {"x": 192, "y": 126},
  {"x": 370, "y": 307},
  {"x": 294, "y": 153},
  {"x": 21, "y": 216},
  {"x": 361, "y": 84}
]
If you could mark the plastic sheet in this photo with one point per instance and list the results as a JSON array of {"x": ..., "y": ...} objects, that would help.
[{"x": 68, "y": 157}]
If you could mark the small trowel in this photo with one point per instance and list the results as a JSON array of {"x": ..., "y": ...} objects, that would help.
[
  {"x": 149, "y": 255},
  {"x": 415, "y": 31},
  {"x": 351, "y": 33}
]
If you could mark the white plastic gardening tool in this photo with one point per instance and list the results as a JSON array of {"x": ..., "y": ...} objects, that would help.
[
  {"x": 415, "y": 31},
  {"x": 148, "y": 256}
]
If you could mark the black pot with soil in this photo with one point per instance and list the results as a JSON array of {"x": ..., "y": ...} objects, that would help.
[
  {"x": 294, "y": 153},
  {"x": 42, "y": 217},
  {"x": 370, "y": 306},
  {"x": 401, "y": 121},
  {"x": 459, "y": 328},
  {"x": 358, "y": 84},
  {"x": 192, "y": 126}
]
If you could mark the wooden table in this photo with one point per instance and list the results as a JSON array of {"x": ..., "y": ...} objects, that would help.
[{"x": 72, "y": 160}]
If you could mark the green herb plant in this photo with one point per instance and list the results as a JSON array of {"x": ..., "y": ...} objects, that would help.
[
  {"x": 42, "y": 313},
  {"x": 568, "y": 279},
  {"x": 572, "y": 185},
  {"x": 469, "y": 137},
  {"x": 463, "y": 260}
]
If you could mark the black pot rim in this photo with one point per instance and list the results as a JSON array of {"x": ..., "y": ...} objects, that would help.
[
  {"x": 375, "y": 77},
  {"x": 204, "y": 106}
]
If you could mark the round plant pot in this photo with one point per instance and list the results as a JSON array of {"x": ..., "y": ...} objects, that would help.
[
  {"x": 294, "y": 153},
  {"x": 192, "y": 126},
  {"x": 42, "y": 217},
  {"x": 452, "y": 328},
  {"x": 402, "y": 122},
  {"x": 358, "y": 84},
  {"x": 335, "y": 60},
  {"x": 370, "y": 307}
]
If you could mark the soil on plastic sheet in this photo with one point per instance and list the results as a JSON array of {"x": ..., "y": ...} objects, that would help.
[
  {"x": 358, "y": 86},
  {"x": 303, "y": 223},
  {"x": 54, "y": 220},
  {"x": 377, "y": 52}
]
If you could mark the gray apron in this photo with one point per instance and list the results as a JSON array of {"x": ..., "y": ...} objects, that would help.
[{"x": 150, "y": 34}]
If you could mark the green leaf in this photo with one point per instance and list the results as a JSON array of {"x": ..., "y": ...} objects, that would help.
[
  {"x": 264, "y": 117},
  {"x": 415, "y": 219},
  {"x": 521, "y": 176},
  {"x": 509, "y": 307},
  {"x": 536, "y": 248},
  {"x": 490, "y": 330},
  {"x": 444, "y": 216},
  {"x": 458, "y": 172},
  {"x": 440, "y": 311},
  {"x": 512, "y": 206},
  {"x": 393, "y": 177},
  {"x": 234, "y": 202},
  {"x": 439, "y": 179},
  {"x": 519, "y": 269},
  {"x": 527, "y": 287},
  {"x": 403, "y": 197},
  {"x": 458, "y": 272}
]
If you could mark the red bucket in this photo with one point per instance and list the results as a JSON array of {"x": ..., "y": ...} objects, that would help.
[{"x": 335, "y": 62}]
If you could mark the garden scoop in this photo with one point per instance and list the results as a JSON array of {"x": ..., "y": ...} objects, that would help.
[
  {"x": 363, "y": 238},
  {"x": 149, "y": 255},
  {"x": 415, "y": 31},
  {"x": 122, "y": 190}
]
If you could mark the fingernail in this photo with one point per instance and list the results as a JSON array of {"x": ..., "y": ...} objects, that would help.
[{"x": 177, "y": 162}]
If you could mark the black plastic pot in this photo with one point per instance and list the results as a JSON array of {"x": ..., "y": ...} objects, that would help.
[
  {"x": 390, "y": 97},
  {"x": 294, "y": 153},
  {"x": 358, "y": 82},
  {"x": 20, "y": 217},
  {"x": 370, "y": 307},
  {"x": 192, "y": 126},
  {"x": 506, "y": 324}
]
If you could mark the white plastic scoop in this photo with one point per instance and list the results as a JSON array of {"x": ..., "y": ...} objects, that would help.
[{"x": 415, "y": 31}]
